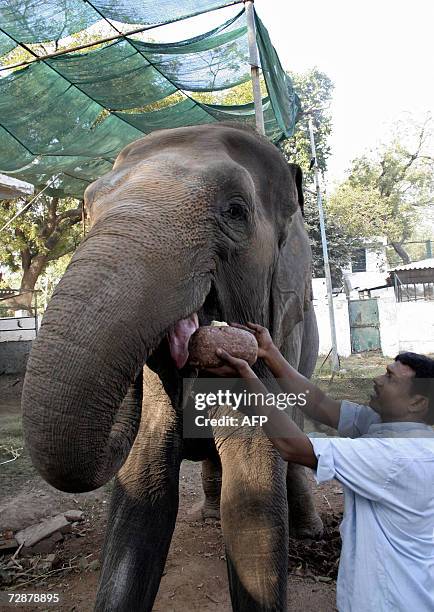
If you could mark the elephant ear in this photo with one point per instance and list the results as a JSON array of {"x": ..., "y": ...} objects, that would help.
[
  {"x": 297, "y": 176},
  {"x": 291, "y": 282}
]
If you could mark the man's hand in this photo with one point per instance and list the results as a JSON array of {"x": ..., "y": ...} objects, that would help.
[
  {"x": 233, "y": 367},
  {"x": 266, "y": 345}
]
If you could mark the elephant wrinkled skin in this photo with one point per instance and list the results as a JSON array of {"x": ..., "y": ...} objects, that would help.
[{"x": 192, "y": 224}]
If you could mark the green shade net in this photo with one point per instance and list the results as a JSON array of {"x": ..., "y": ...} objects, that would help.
[
  {"x": 71, "y": 115},
  {"x": 34, "y": 21}
]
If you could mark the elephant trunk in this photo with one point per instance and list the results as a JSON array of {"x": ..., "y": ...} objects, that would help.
[{"x": 125, "y": 288}]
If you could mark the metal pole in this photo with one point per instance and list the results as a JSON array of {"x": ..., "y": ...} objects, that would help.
[
  {"x": 254, "y": 66},
  {"x": 335, "y": 359},
  {"x": 83, "y": 219},
  {"x": 35, "y": 293},
  {"x": 46, "y": 293}
]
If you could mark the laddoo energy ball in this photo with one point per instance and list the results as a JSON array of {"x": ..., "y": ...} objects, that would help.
[{"x": 237, "y": 342}]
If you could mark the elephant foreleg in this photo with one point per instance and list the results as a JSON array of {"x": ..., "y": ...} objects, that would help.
[
  {"x": 143, "y": 513},
  {"x": 254, "y": 523},
  {"x": 304, "y": 521}
]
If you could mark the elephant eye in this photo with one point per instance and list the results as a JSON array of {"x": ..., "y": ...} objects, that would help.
[{"x": 236, "y": 211}]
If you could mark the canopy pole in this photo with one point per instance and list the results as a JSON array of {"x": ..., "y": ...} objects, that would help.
[
  {"x": 334, "y": 351},
  {"x": 254, "y": 66}
]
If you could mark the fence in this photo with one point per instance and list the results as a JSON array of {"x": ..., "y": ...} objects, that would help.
[{"x": 18, "y": 328}]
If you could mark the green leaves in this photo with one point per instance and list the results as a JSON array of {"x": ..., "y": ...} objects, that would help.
[
  {"x": 314, "y": 89},
  {"x": 385, "y": 189},
  {"x": 45, "y": 232}
]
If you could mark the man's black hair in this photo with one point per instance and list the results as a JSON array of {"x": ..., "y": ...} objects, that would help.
[{"x": 423, "y": 381}]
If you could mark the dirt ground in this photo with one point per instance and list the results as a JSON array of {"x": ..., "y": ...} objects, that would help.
[{"x": 195, "y": 575}]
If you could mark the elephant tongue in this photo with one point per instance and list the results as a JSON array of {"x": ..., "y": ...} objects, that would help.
[{"x": 179, "y": 337}]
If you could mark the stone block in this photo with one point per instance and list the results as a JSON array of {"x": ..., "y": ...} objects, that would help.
[
  {"x": 35, "y": 533},
  {"x": 74, "y": 515}
]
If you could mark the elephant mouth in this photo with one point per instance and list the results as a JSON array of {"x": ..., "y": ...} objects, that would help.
[{"x": 179, "y": 337}]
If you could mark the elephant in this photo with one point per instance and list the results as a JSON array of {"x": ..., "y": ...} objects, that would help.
[{"x": 191, "y": 224}]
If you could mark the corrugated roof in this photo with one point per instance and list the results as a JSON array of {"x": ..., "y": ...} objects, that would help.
[
  {"x": 13, "y": 188},
  {"x": 361, "y": 281},
  {"x": 423, "y": 264}
]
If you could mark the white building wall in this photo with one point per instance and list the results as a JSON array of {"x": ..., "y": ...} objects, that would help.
[
  {"x": 16, "y": 330},
  {"x": 319, "y": 288},
  {"x": 404, "y": 326},
  {"x": 389, "y": 330},
  {"x": 340, "y": 307},
  {"x": 415, "y": 321},
  {"x": 376, "y": 260}
]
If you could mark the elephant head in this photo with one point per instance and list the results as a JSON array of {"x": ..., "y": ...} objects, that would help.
[{"x": 191, "y": 224}]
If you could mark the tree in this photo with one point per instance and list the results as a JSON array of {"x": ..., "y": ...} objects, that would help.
[
  {"x": 386, "y": 190},
  {"x": 46, "y": 231},
  {"x": 315, "y": 91},
  {"x": 314, "y": 88},
  {"x": 340, "y": 244}
]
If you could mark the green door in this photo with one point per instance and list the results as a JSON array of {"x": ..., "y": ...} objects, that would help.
[{"x": 364, "y": 325}]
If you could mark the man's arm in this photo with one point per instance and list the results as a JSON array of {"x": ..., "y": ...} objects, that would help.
[
  {"x": 319, "y": 406},
  {"x": 292, "y": 444}
]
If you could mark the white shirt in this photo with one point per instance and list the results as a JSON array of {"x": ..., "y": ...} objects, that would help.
[{"x": 387, "y": 559}]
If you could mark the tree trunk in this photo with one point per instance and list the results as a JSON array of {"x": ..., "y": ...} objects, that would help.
[
  {"x": 401, "y": 252},
  {"x": 30, "y": 276},
  {"x": 31, "y": 273}
]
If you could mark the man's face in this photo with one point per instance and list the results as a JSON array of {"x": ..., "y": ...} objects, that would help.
[{"x": 393, "y": 392}]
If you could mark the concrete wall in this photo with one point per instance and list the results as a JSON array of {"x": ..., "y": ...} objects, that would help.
[
  {"x": 340, "y": 307},
  {"x": 389, "y": 332},
  {"x": 17, "y": 329},
  {"x": 415, "y": 321},
  {"x": 13, "y": 356},
  {"x": 404, "y": 326},
  {"x": 16, "y": 335},
  {"x": 376, "y": 260}
]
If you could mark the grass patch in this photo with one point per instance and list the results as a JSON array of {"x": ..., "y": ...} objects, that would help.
[
  {"x": 14, "y": 473},
  {"x": 354, "y": 379}
]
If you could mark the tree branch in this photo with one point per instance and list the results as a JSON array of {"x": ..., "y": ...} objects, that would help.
[
  {"x": 25, "y": 254},
  {"x": 52, "y": 240},
  {"x": 72, "y": 213},
  {"x": 48, "y": 224},
  {"x": 66, "y": 251},
  {"x": 52, "y": 207},
  {"x": 399, "y": 249},
  {"x": 413, "y": 156}
]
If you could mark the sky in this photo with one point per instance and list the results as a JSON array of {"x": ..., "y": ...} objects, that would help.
[{"x": 378, "y": 53}]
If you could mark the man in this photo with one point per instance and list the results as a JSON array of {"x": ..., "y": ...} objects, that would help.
[{"x": 387, "y": 472}]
